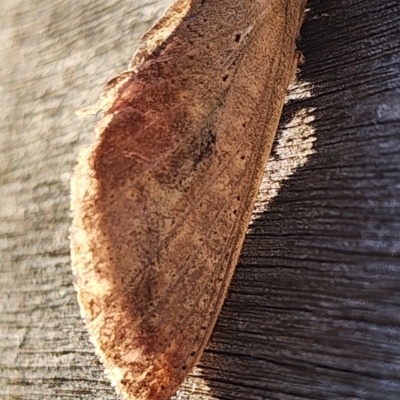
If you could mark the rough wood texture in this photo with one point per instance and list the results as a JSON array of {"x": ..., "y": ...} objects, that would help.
[{"x": 313, "y": 310}]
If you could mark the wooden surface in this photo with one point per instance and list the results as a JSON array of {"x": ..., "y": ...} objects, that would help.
[{"x": 313, "y": 310}]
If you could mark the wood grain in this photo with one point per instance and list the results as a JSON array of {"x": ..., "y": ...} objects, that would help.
[{"x": 312, "y": 311}]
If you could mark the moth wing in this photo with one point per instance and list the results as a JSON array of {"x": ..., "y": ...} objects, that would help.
[{"x": 163, "y": 198}]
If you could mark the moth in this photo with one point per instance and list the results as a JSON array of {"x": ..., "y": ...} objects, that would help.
[{"x": 162, "y": 200}]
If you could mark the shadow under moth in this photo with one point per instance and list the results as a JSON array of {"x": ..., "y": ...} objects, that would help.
[{"x": 162, "y": 200}]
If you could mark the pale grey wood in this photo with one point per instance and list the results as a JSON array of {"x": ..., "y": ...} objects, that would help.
[{"x": 313, "y": 310}]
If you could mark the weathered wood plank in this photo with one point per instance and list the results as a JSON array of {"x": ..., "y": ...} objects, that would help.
[{"x": 313, "y": 311}]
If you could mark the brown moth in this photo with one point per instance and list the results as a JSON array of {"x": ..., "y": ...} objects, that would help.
[{"x": 163, "y": 198}]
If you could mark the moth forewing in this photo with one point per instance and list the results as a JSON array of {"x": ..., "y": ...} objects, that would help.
[{"x": 163, "y": 198}]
